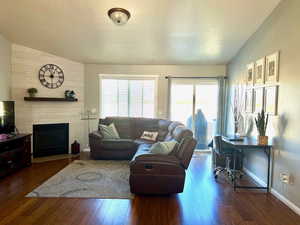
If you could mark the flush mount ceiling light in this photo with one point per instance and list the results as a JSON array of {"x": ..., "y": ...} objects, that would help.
[{"x": 119, "y": 16}]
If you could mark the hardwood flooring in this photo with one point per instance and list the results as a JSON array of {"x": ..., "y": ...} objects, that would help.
[{"x": 203, "y": 202}]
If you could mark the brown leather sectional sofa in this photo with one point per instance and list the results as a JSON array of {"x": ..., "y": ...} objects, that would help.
[{"x": 149, "y": 173}]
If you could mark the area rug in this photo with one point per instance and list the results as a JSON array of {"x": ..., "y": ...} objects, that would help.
[{"x": 88, "y": 179}]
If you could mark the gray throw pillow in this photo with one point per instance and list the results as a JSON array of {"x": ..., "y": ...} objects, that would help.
[
  {"x": 109, "y": 132},
  {"x": 163, "y": 148}
]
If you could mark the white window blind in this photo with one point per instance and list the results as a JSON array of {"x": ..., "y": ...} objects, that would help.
[{"x": 134, "y": 98}]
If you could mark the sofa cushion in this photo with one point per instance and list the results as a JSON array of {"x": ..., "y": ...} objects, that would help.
[
  {"x": 108, "y": 132},
  {"x": 163, "y": 148},
  {"x": 142, "y": 149},
  {"x": 124, "y": 125},
  {"x": 142, "y": 141},
  {"x": 117, "y": 144}
]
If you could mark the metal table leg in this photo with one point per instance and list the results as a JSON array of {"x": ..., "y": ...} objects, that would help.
[{"x": 267, "y": 150}]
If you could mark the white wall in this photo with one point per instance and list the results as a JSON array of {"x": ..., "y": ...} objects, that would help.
[
  {"x": 279, "y": 32},
  {"x": 5, "y": 68},
  {"x": 26, "y": 63}
]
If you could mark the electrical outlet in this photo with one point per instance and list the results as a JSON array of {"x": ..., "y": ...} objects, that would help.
[{"x": 285, "y": 178}]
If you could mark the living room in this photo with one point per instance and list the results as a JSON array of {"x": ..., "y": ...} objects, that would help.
[{"x": 118, "y": 112}]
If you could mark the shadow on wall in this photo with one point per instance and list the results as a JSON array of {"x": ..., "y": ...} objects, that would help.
[
  {"x": 284, "y": 148},
  {"x": 248, "y": 121},
  {"x": 282, "y": 124}
]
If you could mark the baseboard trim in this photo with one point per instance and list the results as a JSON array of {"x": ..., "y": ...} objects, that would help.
[
  {"x": 287, "y": 202},
  {"x": 279, "y": 196},
  {"x": 254, "y": 177}
]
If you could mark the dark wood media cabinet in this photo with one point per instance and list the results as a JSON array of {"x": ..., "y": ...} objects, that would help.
[{"x": 15, "y": 153}]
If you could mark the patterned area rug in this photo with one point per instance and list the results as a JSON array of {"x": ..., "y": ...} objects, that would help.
[{"x": 88, "y": 179}]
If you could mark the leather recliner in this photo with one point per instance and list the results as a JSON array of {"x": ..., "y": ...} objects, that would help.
[{"x": 149, "y": 173}]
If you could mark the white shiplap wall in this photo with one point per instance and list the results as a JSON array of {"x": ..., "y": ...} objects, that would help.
[{"x": 26, "y": 63}]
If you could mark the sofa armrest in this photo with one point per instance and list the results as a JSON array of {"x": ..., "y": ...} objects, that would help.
[
  {"x": 156, "y": 164},
  {"x": 96, "y": 134}
]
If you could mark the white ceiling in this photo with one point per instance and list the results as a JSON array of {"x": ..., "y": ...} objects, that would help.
[{"x": 158, "y": 32}]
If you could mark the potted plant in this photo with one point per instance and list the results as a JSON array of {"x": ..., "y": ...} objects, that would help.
[
  {"x": 32, "y": 92},
  {"x": 261, "y": 123}
]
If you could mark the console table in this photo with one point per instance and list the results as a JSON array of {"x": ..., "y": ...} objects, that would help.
[
  {"x": 15, "y": 153},
  {"x": 249, "y": 144}
]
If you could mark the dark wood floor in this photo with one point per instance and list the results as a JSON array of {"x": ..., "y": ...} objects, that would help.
[{"x": 204, "y": 201}]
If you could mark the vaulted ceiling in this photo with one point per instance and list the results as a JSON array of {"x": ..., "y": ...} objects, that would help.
[{"x": 158, "y": 32}]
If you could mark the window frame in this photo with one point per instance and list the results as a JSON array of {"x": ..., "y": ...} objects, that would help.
[{"x": 155, "y": 78}]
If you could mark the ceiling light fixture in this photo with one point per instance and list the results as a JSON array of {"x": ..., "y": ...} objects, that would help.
[{"x": 119, "y": 16}]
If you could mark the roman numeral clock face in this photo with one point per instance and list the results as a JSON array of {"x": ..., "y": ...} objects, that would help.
[{"x": 51, "y": 76}]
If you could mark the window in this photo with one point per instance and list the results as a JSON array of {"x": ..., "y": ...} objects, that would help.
[{"x": 128, "y": 97}]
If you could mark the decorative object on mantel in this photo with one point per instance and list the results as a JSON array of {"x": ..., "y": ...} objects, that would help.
[
  {"x": 51, "y": 76},
  {"x": 70, "y": 94},
  {"x": 261, "y": 124},
  {"x": 49, "y": 99},
  {"x": 75, "y": 148},
  {"x": 32, "y": 92},
  {"x": 88, "y": 115}
]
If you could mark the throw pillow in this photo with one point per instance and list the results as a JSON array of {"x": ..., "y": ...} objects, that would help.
[
  {"x": 163, "y": 148},
  {"x": 109, "y": 132},
  {"x": 149, "y": 136}
]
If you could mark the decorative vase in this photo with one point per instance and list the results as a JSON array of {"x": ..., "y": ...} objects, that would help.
[
  {"x": 70, "y": 94},
  {"x": 75, "y": 148},
  {"x": 262, "y": 140}
]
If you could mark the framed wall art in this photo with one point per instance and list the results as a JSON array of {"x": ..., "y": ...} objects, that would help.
[
  {"x": 271, "y": 99},
  {"x": 250, "y": 74},
  {"x": 259, "y": 76},
  {"x": 258, "y": 99},
  {"x": 249, "y": 101},
  {"x": 272, "y": 68}
]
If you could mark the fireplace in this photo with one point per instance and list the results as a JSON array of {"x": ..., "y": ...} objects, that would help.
[{"x": 50, "y": 139}]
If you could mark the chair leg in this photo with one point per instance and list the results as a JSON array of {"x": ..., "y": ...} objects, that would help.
[
  {"x": 230, "y": 173},
  {"x": 217, "y": 171}
]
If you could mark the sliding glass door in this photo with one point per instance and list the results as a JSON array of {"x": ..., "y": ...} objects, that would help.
[{"x": 194, "y": 102}]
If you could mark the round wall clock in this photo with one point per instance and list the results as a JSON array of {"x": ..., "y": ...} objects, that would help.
[{"x": 51, "y": 76}]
